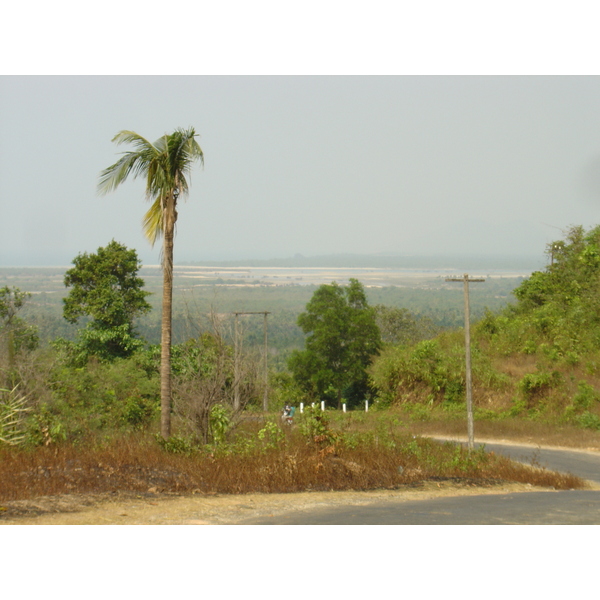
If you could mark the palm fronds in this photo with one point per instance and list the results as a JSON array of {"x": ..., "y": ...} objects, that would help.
[
  {"x": 12, "y": 410},
  {"x": 163, "y": 164}
]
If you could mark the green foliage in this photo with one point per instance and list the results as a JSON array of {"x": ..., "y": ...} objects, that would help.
[
  {"x": 553, "y": 331},
  {"x": 586, "y": 396},
  {"x": 175, "y": 444},
  {"x": 398, "y": 326},
  {"x": 284, "y": 389},
  {"x": 11, "y": 301},
  {"x": 270, "y": 436},
  {"x": 97, "y": 397},
  {"x": 220, "y": 423},
  {"x": 104, "y": 344},
  {"x": 46, "y": 427},
  {"x": 164, "y": 164},
  {"x": 558, "y": 310},
  {"x": 105, "y": 287},
  {"x": 138, "y": 411},
  {"x": 315, "y": 427},
  {"x": 342, "y": 338},
  {"x": 400, "y": 371},
  {"x": 534, "y": 385},
  {"x": 16, "y": 335},
  {"x": 197, "y": 357},
  {"x": 580, "y": 409},
  {"x": 589, "y": 420}
]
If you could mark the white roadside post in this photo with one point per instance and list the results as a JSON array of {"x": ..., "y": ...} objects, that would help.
[
  {"x": 366, "y": 406},
  {"x": 344, "y": 407},
  {"x": 323, "y": 405},
  {"x": 301, "y": 407},
  {"x": 465, "y": 279}
]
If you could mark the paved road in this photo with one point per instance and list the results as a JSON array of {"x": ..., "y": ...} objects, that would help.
[
  {"x": 583, "y": 464},
  {"x": 575, "y": 507}
]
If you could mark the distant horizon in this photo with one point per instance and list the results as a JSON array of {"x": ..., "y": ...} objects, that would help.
[{"x": 523, "y": 261}]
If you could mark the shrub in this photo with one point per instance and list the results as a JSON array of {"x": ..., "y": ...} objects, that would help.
[
  {"x": 589, "y": 420},
  {"x": 586, "y": 396},
  {"x": 94, "y": 398},
  {"x": 176, "y": 444},
  {"x": 535, "y": 385},
  {"x": 314, "y": 425}
]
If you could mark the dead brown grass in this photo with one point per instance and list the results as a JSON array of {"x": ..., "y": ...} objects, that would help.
[
  {"x": 515, "y": 430},
  {"x": 138, "y": 464}
]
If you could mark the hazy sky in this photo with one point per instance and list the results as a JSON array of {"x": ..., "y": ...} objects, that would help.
[{"x": 305, "y": 164}]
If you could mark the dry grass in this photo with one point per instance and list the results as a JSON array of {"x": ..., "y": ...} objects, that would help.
[
  {"x": 138, "y": 464},
  {"x": 516, "y": 430}
]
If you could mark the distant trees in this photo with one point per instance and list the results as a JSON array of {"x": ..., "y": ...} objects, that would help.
[
  {"x": 342, "y": 338},
  {"x": 15, "y": 333},
  {"x": 558, "y": 308},
  {"x": 164, "y": 164},
  {"x": 105, "y": 286},
  {"x": 401, "y": 326}
]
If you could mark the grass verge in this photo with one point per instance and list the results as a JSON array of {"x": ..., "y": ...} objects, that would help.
[{"x": 138, "y": 464}]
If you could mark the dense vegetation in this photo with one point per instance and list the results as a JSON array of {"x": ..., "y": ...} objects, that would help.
[
  {"x": 342, "y": 338},
  {"x": 537, "y": 358}
]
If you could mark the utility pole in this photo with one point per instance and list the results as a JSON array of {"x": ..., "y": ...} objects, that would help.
[
  {"x": 236, "y": 363},
  {"x": 465, "y": 279},
  {"x": 266, "y": 392}
]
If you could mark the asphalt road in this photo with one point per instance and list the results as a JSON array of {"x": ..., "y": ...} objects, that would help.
[
  {"x": 575, "y": 507},
  {"x": 583, "y": 464}
]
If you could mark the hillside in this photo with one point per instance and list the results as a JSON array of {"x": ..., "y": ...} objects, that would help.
[{"x": 538, "y": 357}]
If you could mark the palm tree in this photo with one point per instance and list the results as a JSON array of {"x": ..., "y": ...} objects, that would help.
[{"x": 164, "y": 165}]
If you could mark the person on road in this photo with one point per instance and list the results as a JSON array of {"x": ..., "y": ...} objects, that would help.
[{"x": 288, "y": 414}]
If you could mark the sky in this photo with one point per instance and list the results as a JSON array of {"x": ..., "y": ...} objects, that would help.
[
  {"x": 305, "y": 165},
  {"x": 322, "y": 159}
]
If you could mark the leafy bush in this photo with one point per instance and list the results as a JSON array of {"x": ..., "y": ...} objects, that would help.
[
  {"x": 586, "y": 396},
  {"x": 589, "y": 420},
  {"x": 314, "y": 425},
  {"x": 176, "y": 445},
  {"x": 96, "y": 397},
  {"x": 534, "y": 385},
  {"x": 430, "y": 370},
  {"x": 220, "y": 423},
  {"x": 270, "y": 436}
]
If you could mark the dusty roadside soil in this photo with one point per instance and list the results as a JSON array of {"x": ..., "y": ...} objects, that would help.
[{"x": 163, "y": 509}]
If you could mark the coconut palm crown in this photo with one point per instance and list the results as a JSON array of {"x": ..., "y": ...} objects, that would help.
[{"x": 164, "y": 164}]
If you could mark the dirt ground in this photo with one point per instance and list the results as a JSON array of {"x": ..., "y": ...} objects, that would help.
[{"x": 154, "y": 509}]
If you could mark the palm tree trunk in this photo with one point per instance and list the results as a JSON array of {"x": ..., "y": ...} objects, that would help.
[{"x": 166, "y": 329}]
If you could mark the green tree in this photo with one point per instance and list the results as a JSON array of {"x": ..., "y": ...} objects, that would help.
[
  {"x": 15, "y": 333},
  {"x": 105, "y": 286},
  {"x": 164, "y": 164},
  {"x": 342, "y": 338},
  {"x": 401, "y": 326},
  {"x": 557, "y": 314}
]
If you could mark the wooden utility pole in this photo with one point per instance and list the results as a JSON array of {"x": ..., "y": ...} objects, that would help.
[
  {"x": 465, "y": 279},
  {"x": 236, "y": 363},
  {"x": 266, "y": 392}
]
